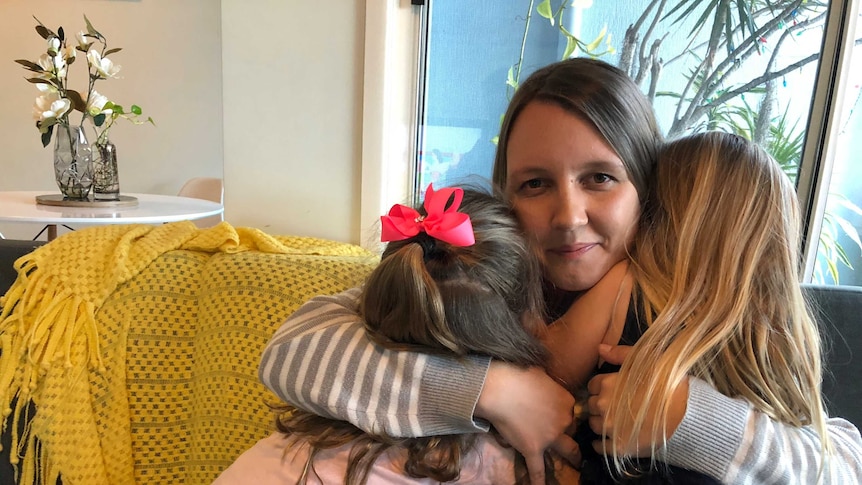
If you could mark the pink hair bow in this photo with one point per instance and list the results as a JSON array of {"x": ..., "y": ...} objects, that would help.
[{"x": 443, "y": 223}]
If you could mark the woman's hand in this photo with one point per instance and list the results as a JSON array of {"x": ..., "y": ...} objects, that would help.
[
  {"x": 532, "y": 412},
  {"x": 601, "y": 389}
]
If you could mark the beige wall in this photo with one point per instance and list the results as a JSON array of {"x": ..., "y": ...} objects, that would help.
[
  {"x": 293, "y": 115},
  {"x": 267, "y": 92}
]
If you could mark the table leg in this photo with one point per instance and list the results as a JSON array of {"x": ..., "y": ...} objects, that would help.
[{"x": 52, "y": 232}]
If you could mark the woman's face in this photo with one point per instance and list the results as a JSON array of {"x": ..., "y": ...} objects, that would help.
[{"x": 571, "y": 193}]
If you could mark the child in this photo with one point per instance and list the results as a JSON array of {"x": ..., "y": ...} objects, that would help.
[
  {"x": 457, "y": 278},
  {"x": 715, "y": 273}
]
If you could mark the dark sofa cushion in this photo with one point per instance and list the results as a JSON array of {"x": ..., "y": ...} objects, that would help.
[
  {"x": 10, "y": 250},
  {"x": 837, "y": 310}
]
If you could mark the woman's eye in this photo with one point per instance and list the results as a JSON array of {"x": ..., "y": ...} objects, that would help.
[
  {"x": 601, "y": 178},
  {"x": 532, "y": 184}
]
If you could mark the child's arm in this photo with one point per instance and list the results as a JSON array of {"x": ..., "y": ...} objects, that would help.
[
  {"x": 595, "y": 317},
  {"x": 727, "y": 438}
]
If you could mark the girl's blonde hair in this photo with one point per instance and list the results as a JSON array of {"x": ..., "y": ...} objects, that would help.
[
  {"x": 429, "y": 296},
  {"x": 717, "y": 270}
]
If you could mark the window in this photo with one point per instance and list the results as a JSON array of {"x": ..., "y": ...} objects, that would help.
[
  {"x": 768, "y": 59},
  {"x": 838, "y": 220}
]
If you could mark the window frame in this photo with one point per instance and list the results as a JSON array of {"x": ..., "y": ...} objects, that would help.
[
  {"x": 815, "y": 168},
  {"x": 389, "y": 113}
]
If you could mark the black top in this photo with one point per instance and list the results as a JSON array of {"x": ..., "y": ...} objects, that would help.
[{"x": 596, "y": 469}]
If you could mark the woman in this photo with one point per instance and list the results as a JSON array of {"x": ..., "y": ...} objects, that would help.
[{"x": 577, "y": 150}]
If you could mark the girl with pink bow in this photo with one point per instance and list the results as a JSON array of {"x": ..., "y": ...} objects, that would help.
[{"x": 457, "y": 278}]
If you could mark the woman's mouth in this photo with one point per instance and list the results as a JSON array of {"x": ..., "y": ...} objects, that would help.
[{"x": 572, "y": 251}]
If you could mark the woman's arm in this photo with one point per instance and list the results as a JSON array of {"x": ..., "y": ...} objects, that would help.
[
  {"x": 726, "y": 438},
  {"x": 322, "y": 361}
]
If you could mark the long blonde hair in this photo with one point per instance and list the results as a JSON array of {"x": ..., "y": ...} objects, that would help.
[{"x": 717, "y": 271}]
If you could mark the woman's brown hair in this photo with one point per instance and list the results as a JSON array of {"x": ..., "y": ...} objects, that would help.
[{"x": 600, "y": 94}]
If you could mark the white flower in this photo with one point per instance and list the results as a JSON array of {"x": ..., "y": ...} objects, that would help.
[
  {"x": 46, "y": 88},
  {"x": 54, "y": 66},
  {"x": 46, "y": 62},
  {"x": 49, "y": 106},
  {"x": 96, "y": 104},
  {"x": 53, "y": 45},
  {"x": 103, "y": 65},
  {"x": 57, "y": 98},
  {"x": 70, "y": 53},
  {"x": 83, "y": 39}
]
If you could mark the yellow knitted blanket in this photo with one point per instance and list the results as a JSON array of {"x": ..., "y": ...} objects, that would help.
[{"x": 113, "y": 363}]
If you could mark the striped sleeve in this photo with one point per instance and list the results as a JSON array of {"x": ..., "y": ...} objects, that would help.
[
  {"x": 725, "y": 438},
  {"x": 321, "y": 360}
]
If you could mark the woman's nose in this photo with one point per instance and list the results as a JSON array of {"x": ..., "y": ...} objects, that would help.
[{"x": 571, "y": 209}]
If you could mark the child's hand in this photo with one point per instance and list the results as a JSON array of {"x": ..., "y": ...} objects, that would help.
[
  {"x": 532, "y": 412},
  {"x": 601, "y": 388}
]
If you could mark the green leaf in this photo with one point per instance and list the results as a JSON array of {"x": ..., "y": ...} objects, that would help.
[
  {"x": 137, "y": 109},
  {"x": 849, "y": 230},
  {"x": 833, "y": 270},
  {"x": 112, "y": 51},
  {"x": 99, "y": 119},
  {"x": 510, "y": 78},
  {"x": 595, "y": 44},
  {"x": 46, "y": 136},
  {"x": 61, "y": 34},
  {"x": 90, "y": 30},
  {"x": 571, "y": 46},
  {"x": 842, "y": 257},
  {"x": 39, "y": 80},
  {"x": 44, "y": 32},
  {"x": 30, "y": 65},
  {"x": 544, "y": 9},
  {"x": 745, "y": 19},
  {"x": 844, "y": 202},
  {"x": 118, "y": 109},
  {"x": 728, "y": 31},
  {"x": 700, "y": 21}
]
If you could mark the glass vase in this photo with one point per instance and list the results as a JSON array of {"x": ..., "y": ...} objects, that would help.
[
  {"x": 73, "y": 162},
  {"x": 106, "y": 178}
]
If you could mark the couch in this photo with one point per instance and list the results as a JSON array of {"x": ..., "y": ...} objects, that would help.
[
  {"x": 183, "y": 334},
  {"x": 175, "y": 398}
]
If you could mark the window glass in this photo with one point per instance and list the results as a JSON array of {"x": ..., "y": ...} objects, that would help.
[
  {"x": 839, "y": 255},
  {"x": 732, "y": 65},
  {"x": 471, "y": 47}
]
